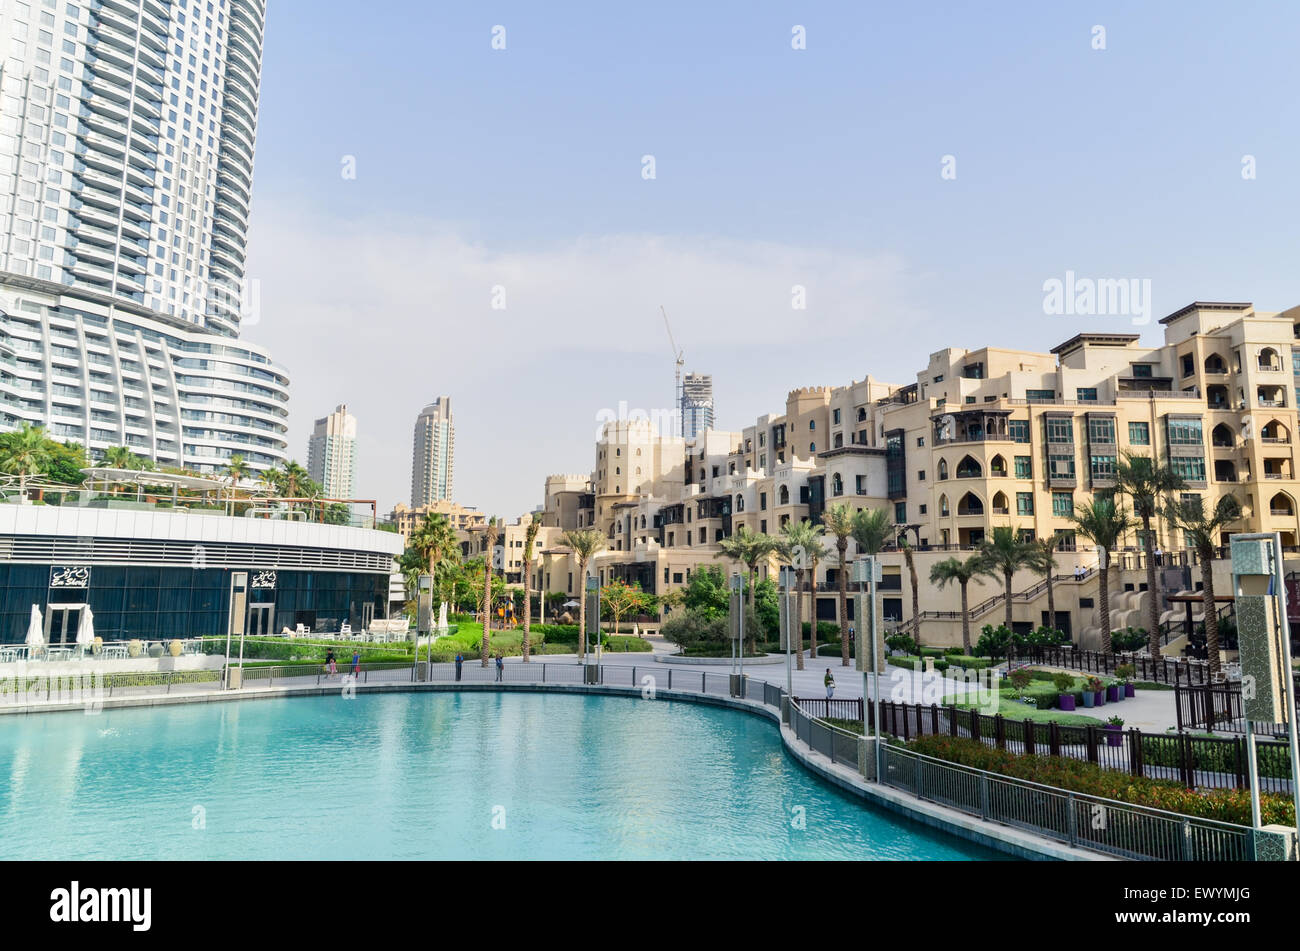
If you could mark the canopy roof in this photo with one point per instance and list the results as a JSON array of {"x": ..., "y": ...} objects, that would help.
[{"x": 150, "y": 477}]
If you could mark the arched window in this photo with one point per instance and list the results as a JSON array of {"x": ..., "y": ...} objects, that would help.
[
  {"x": 1000, "y": 504},
  {"x": 998, "y": 466},
  {"x": 784, "y": 495},
  {"x": 1280, "y": 504},
  {"x": 837, "y": 484},
  {"x": 943, "y": 505},
  {"x": 1222, "y": 435},
  {"x": 970, "y": 504},
  {"x": 969, "y": 468},
  {"x": 740, "y": 503},
  {"x": 943, "y": 468},
  {"x": 812, "y": 447}
]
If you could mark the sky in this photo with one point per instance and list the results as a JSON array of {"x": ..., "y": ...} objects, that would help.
[{"x": 433, "y": 216}]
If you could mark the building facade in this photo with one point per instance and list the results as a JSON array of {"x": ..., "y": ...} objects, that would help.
[
  {"x": 459, "y": 517},
  {"x": 332, "y": 453},
  {"x": 433, "y": 455},
  {"x": 697, "y": 404},
  {"x": 152, "y": 573},
  {"x": 982, "y": 438},
  {"x": 127, "y": 131}
]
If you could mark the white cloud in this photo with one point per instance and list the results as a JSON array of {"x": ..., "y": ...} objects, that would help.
[{"x": 385, "y": 315}]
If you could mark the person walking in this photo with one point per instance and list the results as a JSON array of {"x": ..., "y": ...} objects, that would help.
[
  {"x": 501, "y": 667},
  {"x": 829, "y": 681},
  {"x": 460, "y": 662},
  {"x": 331, "y": 662}
]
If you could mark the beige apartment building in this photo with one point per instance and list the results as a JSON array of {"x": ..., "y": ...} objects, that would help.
[
  {"x": 406, "y": 517},
  {"x": 981, "y": 438}
]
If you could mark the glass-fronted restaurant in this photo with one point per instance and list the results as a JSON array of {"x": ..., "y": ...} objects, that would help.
[{"x": 159, "y": 575}]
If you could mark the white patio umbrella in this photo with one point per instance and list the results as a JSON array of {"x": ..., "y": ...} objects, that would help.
[
  {"x": 35, "y": 630},
  {"x": 86, "y": 631}
]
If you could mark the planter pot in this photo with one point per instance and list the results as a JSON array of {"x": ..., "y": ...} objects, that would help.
[
  {"x": 1100, "y": 698},
  {"x": 1112, "y": 694},
  {"x": 1065, "y": 701},
  {"x": 1128, "y": 690},
  {"x": 1089, "y": 698},
  {"x": 1114, "y": 735}
]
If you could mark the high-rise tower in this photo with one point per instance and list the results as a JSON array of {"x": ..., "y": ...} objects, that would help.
[
  {"x": 127, "y": 130},
  {"x": 434, "y": 454},
  {"x": 697, "y": 404},
  {"x": 332, "y": 453}
]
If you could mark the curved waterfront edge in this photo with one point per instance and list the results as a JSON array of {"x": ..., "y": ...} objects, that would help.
[{"x": 1013, "y": 842}]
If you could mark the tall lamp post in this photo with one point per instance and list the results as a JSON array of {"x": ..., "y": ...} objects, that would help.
[{"x": 867, "y": 572}]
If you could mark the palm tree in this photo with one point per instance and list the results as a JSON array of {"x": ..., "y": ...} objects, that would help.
[
  {"x": 803, "y": 547},
  {"x": 530, "y": 538},
  {"x": 1202, "y": 531},
  {"x": 872, "y": 530},
  {"x": 492, "y": 531},
  {"x": 272, "y": 479},
  {"x": 1102, "y": 521},
  {"x": 748, "y": 548},
  {"x": 1148, "y": 483},
  {"x": 909, "y": 556},
  {"x": 1005, "y": 553},
  {"x": 120, "y": 457},
  {"x": 585, "y": 543},
  {"x": 963, "y": 573},
  {"x": 1044, "y": 563},
  {"x": 838, "y": 520},
  {"x": 236, "y": 470},
  {"x": 24, "y": 452}
]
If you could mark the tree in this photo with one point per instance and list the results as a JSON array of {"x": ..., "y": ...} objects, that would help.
[
  {"x": 802, "y": 547},
  {"x": 838, "y": 520},
  {"x": 530, "y": 539},
  {"x": 1005, "y": 553},
  {"x": 121, "y": 457},
  {"x": 585, "y": 544},
  {"x": 620, "y": 598},
  {"x": 872, "y": 530},
  {"x": 1102, "y": 521},
  {"x": 492, "y": 530},
  {"x": 1043, "y": 562},
  {"x": 67, "y": 460},
  {"x": 961, "y": 573},
  {"x": 236, "y": 470},
  {"x": 748, "y": 548},
  {"x": 909, "y": 557},
  {"x": 1148, "y": 483},
  {"x": 706, "y": 593},
  {"x": 23, "y": 453},
  {"x": 1202, "y": 530}
]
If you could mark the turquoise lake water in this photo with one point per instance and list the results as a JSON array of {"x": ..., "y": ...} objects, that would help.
[{"x": 429, "y": 776}]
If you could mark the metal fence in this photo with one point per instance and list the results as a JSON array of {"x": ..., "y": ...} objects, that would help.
[
  {"x": 1078, "y": 819},
  {"x": 1197, "y": 762},
  {"x": 1166, "y": 670},
  {"x": 1220, "y": 707}
]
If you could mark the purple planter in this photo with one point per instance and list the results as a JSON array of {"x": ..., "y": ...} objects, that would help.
[
  {"x": 1099, "y": 698},
  {"x": 1114, "y": 736},
  {"x": 1128, "y": 690},
  {"x": 1112, "y": 694},
  {"x": 1065, "y": 701}
]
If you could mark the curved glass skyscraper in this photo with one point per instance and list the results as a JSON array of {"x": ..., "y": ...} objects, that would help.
[{"x": 127, "y": 131}]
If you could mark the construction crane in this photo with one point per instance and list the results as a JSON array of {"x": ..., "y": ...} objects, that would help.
[{"x": 680, "y": 357}]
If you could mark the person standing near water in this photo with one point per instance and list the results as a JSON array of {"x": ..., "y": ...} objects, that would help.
[
  {"x": 460, "y": 662},
  {"x": 501, "y": 667},
  {"x": 356, "y": 661},
  {"x": 331, "y": 663},
  {"x": 829, "y": 681}
]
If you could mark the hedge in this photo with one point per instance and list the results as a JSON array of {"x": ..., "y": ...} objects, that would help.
[{"x": 1080, "y": 776}]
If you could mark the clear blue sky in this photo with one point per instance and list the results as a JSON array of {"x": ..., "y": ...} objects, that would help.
[{"x": 522, "y": 168}]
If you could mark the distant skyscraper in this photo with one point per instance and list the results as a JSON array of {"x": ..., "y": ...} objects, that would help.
[
  {"x": 434, "y": 454},
  {"x": 332, "y": 455},
  {"x": 697, "y": 404}
]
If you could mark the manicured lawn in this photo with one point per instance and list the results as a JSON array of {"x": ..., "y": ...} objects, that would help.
[{"x": 1012, "y": 708}]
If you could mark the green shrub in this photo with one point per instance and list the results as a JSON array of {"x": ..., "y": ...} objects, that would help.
[
  {"x": 1081, "y": 776},
  {"x": 1129, "y": 639},
  {"x": 619, "y": 643},
  {"x": 1062, "y": 681},
  {"x": 901, "y": 642}
]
